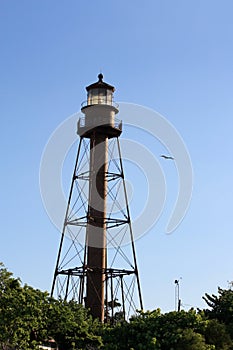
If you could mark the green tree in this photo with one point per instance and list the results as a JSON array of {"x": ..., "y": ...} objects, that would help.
[
  {"x": 216, "y": 333},
  {"x": 190, "y": 340},
  {"x": 22, "y": 309},
  {"x": 221, "y": 307},
  {"x": 29, "y": 316},
  {"x": 176, "y": 328},
  {"x": 71, "y": 326},
  {"x": 221, "y": 310},
  {"x": 156, "y": 331}
]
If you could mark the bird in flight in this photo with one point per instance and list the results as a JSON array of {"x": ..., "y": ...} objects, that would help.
[{"x": 166, "y": 157}]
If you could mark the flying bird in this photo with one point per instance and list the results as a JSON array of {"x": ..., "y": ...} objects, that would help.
[{"x": 166, "y": 157}]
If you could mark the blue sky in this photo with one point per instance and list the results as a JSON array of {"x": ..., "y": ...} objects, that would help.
[{"x": 172, "y": 56}]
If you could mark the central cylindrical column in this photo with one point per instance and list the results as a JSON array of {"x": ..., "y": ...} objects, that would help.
[{"x": 96, "y": 228}]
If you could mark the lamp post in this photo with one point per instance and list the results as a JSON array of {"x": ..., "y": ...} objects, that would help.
[{"x": 177, "y": 296}]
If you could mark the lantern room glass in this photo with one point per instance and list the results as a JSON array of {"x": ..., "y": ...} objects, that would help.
[{"x": 99, "y": 96}]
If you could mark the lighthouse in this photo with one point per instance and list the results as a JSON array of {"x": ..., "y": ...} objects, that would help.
[{"x": 96, "y": 263}]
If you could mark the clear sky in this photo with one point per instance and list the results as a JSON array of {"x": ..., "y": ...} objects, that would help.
[{"x": 172, "y": 56}]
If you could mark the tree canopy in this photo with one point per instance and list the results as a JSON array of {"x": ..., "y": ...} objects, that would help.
[{"x": 30, "y": 317}]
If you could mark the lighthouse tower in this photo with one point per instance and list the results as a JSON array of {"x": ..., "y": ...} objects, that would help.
[{"x": 96, "y": 263}]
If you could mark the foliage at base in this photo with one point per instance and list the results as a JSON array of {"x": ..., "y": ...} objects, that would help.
[{"x": 30, "y": 317}]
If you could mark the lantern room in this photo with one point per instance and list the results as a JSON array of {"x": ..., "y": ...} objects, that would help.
[
  {"x": 99, "y": 110},
  {"x": 100, "y": 92}
]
